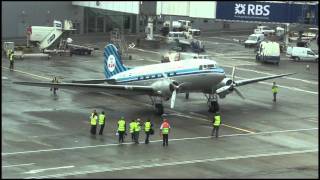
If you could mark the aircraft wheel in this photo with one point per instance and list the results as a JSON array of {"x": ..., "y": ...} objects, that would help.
[
  {"x": 187, "y": 95},
  {"x": 159, "y": 109}
]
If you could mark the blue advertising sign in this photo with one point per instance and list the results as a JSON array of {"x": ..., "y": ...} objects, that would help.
[{"x": 265, "y": 11}]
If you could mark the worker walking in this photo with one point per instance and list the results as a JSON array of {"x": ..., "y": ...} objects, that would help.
[
  {"x": 164, "y": 131},
  {"x": 54, "y": 80},
  {"x": 93, "y": 122},
  {"x": 121, "y": 129},
  {"x": 131, "y": 128},
  {"x": 137, "y": 129},
  {"x": 216, "y": 124},
  {"x": 147, "y": 130},
  {"x": 274, "y": 91},
  {"x": 11, "y": 60},
  {"x": 102, "y": 121}
]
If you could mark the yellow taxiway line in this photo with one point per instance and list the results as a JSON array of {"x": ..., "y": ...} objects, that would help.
[{"x": 42, "y": 77}]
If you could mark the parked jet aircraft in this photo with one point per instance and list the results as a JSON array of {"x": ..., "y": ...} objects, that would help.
[{"x": 160, "y": 81}]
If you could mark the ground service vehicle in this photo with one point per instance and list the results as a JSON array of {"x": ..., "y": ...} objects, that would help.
[
  {"x": 301, "y": 53},
  {"x": 268, "y": 52},
  {"x": 264, "y": 30},
  {"x": 253, "y": 40}
]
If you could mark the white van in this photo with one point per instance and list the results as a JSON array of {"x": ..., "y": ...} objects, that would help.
[
  {"x": 301, "y": 53},
  {"x": 268, "y": 52},
  {"x": 172, "y": 36},
  {"x": 253, "y": 40}
]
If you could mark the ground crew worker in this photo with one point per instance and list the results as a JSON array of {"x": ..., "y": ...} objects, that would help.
[
  {"x": 11, "y": 60},
  {"x": 274, "y": 91},
  {"x": 147, "y": 130},
  {"x": 131, "y": 127},
  {"x": 137, "y": 129},
  {"x": 93, "y": 122},
  {"x": 164, "y": 131},
  {"x": 121, "y": 129},
  {"x": 216, "y": 124},
  {"x": 54, "y": 80},
  {"x": 102, "y": 121}
]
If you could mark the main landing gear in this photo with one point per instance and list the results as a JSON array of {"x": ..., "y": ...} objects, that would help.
[
  {"x": 212, "y": 102},
  {"x": 157, "y": 102}
]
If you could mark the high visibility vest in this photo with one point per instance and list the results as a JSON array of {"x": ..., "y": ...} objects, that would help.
[
  {"x": 132, "y": 125},
  {"x": 93, "y": 120},
  {"x": 8, "y": 52},
  {"x": 165, "y": 128},
  {"x": 274, "y": 89},
  {"x": 101, "y": 118},
  {"x": 121, "y": 125},
  {"x": 217, "y": 120},
  {"x": 11, "y": 57},
  {"x": 147, "y": 126},
  {"x": 137, "y": 127}
]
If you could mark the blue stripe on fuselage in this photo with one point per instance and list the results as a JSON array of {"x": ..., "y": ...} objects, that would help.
[{"x": 178, "y": 73}]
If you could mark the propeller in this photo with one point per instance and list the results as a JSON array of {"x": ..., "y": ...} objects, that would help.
[
  {"x": 231, "y": 87},
  {"x": 175, "y": 87}
]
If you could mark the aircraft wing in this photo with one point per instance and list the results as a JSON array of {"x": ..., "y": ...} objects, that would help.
[
  {"x": 254, "y": 80},
  {"x": 95, "y": 81},
  {"x": 109, "y": 88}
]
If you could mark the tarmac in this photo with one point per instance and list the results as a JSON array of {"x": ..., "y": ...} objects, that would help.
[{"x": 47, "y": 136}]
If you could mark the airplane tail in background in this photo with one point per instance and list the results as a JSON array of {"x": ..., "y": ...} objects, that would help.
[{"x": 112, "y": 61}]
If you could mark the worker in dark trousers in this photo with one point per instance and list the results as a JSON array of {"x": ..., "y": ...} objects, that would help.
[
  {"x": 54, "y": 80},
  {"x": 164, "y": 132},
  {"x": 216, "y": 124},
  {"x": 93, "y": 122},
  {"x": 131, "y": 128},
  {"x": 11, "y": 60},
  {"x": 121, "y": 129},
  {"x": 102, "y": 121},
  {"x": 137, "y": 129},
  {"x": 147, "y": 130},
  {"x": 274, "y": 91}
]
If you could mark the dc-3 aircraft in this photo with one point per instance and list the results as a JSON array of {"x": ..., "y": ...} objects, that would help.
[{"x": 160, "y": 81}]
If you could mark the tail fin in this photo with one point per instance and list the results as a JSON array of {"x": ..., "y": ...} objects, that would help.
[{"x": 112, "y": 61}]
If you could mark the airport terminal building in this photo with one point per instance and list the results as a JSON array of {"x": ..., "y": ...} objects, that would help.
[{"x": 131, "y": 16}]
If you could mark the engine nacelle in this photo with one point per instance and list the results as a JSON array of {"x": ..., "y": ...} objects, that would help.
[
  {"x": 164, "y": 88},
  {"x": 225, "y": 82}
]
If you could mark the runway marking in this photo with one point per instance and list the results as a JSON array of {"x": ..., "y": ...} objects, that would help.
[
  {"x": 160, "y": 140},
  {"x": 261, "y": 72},
  {"x": 46, "y": 169},
  {"x": 175, "y": 163},
  {"x": 229, "y": 126},
  {"x": 143, "y": 50},
  {"x": 3, "y": 77},
  {"x": 29, "y": 74},
  {"x": 220, "y": 38},
  {"x": 18, "y": 165},
  {"x": 287, "y": 87}
]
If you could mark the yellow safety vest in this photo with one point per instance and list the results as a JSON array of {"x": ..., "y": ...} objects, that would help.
[
  {"x": 137, "y": 127},
  {"x": 121, "y": 125},
  {"x": 132, "y": 125},
  {"x": 8, "y": 52},
  {"x": 101, "y": 118},
  {"x": 217, "y": 120},
  {"x": 147, "y": 126},
  {"x": 274, "y": 89},
  {"x": 93, "y": 120},
  {"x": 165, "y": 130},
  {"x": 11, "y": 57}
]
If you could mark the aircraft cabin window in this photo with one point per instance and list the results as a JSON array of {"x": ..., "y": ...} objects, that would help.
[{"x": 200, "y": 67}]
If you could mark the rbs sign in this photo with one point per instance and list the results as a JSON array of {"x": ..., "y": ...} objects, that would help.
[{"x": 252, "y": 9}]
